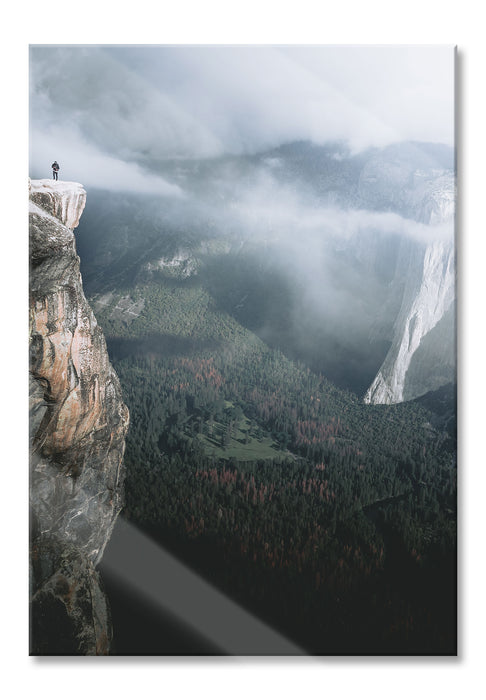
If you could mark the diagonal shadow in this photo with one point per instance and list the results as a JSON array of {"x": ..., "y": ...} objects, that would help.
[{"x": 173, "y": 589}]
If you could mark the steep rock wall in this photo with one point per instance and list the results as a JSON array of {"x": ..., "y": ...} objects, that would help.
[
  {"x": 418, "y": 316},
  {"x": 428, "y": 296},
  {"x": 78, "y": 423}
]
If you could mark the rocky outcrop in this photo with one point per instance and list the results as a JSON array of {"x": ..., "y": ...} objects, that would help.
[
  {"x": 64, "y": 200},
  {"x": 78, "y": 423}
]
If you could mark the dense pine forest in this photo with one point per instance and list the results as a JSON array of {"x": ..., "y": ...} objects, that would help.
[{"x": 333, "y": 520}]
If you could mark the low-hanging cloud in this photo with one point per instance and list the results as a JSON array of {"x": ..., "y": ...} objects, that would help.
[
  {"x": 146, "y": 104},
  {"x": 251, "y": 97},
  {"x": 81, "y": 161},
  {"x": 113, "y": 106},
  {"x": 333, "y": 222},
  {"x": 267, "y": 208}
]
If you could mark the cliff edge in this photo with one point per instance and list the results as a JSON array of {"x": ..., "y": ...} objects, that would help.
[{"x": 78, "y": 423}]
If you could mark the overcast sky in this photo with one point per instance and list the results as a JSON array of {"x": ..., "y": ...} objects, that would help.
[{"x": 107, "y": 113}]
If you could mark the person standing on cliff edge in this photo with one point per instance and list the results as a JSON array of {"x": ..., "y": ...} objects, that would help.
[{"x": 55, "y": 169}]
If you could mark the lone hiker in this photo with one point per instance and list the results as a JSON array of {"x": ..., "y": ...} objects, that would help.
[{"x": 55, "y": 169}]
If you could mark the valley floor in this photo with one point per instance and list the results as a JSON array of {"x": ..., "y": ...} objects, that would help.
[{"x": 332, "y": 521}]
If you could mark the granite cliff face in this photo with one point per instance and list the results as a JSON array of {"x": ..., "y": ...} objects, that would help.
[
  {"x": 78, "y": 423},
  {"x": 427, "y": 314},
  {"x": 422, "y": 310}
]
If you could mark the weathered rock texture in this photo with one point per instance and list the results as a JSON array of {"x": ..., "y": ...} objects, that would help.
[{"x": 78, "y": 423}]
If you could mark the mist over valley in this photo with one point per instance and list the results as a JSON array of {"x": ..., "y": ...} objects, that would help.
[
  {"x": 298, "y": 244},
  {"x": 268, "y": 248}
]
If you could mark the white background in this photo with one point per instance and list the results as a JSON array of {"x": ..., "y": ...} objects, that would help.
[{"x": 230, "y": 22}]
